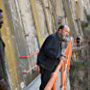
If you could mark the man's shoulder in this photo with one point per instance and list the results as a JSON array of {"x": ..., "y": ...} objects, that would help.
[{"x": 52, "y": 36}]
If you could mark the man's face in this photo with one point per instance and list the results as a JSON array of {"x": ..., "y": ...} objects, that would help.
[
  {"x": 1, "y": 19},
  {"x": 64, "y": 33}
]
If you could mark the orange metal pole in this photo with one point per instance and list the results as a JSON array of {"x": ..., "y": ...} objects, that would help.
[
  {"x": 51, "y": 82},
  {"x": 63, "y": 74},
  {"x": 55, "y": 85},
  {"x": 68, "y": 54}
]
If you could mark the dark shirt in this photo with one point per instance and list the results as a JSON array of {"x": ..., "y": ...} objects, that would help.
[{"x": 50, "y": 52}]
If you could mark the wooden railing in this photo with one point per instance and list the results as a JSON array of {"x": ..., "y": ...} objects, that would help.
[{"x": 51, "y": 85}]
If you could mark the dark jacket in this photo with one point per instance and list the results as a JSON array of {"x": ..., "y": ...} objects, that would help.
[
  {"x": 50, "y": 52},
  {"x": 2, "y": 45}
]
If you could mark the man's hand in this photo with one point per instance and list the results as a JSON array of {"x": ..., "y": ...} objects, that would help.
[
  {"x": 38, "y": 68},
  {"x": 63, "y": 60}
]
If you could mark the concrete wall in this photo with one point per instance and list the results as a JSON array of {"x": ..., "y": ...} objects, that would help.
[{"x": 30, "y": 22}]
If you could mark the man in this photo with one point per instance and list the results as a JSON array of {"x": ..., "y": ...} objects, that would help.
[
  {"x": 51, "y": 53},
  {"x": 2, "y": 45}
]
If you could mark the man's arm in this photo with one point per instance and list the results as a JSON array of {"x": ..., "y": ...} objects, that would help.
[{"x": 52, "y": 48}]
